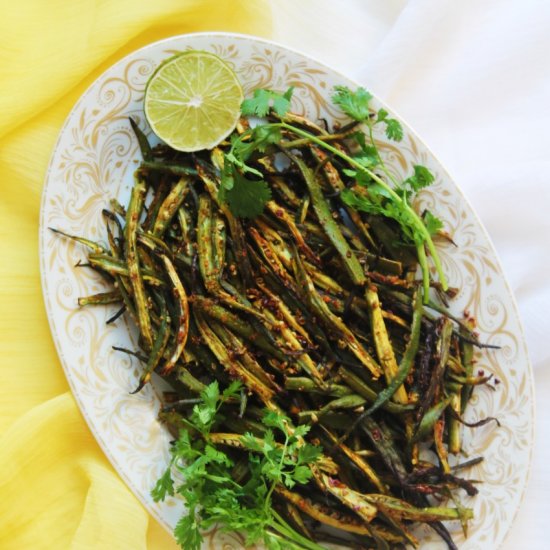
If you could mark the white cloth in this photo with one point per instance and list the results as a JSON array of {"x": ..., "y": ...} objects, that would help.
[{"x": 472, "y": 77}]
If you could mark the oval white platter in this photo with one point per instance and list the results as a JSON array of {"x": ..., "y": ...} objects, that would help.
[{"x": 94, "y": 160}]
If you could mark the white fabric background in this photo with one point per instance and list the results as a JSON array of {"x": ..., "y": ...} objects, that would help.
[{"x": 472, "y": 77}]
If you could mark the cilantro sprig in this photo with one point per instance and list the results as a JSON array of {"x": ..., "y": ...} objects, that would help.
[
  {"x": 377, "y": 190},
  {"x": 374, "y": 196},
  {"x": 203, "y": 475}
]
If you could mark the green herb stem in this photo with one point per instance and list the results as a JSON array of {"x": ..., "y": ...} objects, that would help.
[{"x": 282, "y": 527}]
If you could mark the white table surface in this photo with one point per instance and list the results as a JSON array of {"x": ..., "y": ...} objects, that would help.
[{"x": 472, "y": 77}]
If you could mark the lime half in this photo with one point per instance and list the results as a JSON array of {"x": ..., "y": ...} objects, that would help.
[{"x": 193, "y": 101}]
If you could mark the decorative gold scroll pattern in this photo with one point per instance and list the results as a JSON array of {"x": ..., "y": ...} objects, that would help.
[{"x": 93, "y": 162}]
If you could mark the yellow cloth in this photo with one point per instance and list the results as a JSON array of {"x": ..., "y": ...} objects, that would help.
[{"x": 57, "y": 489}]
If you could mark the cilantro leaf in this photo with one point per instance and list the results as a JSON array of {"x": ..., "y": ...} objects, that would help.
[
  {"x": 232, "y": 390},
  {"x": 381, "y": 115},
  {"x": 210, "y": 395},
  {"x": 421, "y": 178},
  {"x": 250, "y": 442},
  {"x": 204, "y": 413},
  {"x": 274, "y": 419},
  {"x": 264, "y": 136},
  {"x": 369, "y": 159},
  {"x": 360, "y": 139},
  {"x": 263, "y": 100},
  {"x": 163, "y": 487},
  {"x": 354, "y": 104},
  {"x": 281, "y": 103},
  {"x": 216, "y": 456},
  {"x": 309, "y": 453},
  {"x": 182, "y": 447},
  {"x": 433, "y": 223},
  {"x": 394, "y": 130},
  {"x": 301, "y": 474},
  {"x": 246, "y": 198},
  {"x": 301, "y": 430},
  {"x": 187, "y": 533},
  {"x": 257, "y": 139}
]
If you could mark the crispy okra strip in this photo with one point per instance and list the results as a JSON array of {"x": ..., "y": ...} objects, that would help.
[
  {"x": 115, "y": 267},
  {"x": 383, "y": 345},
  {"x": 234, "y": 367},
  {"x": 219, "y": 243},
  {"x": 323, "y": 514},
  {"x": 329, "y": 225},
  {"x": 384, "y": 444},
  {"x": 183, "y": 319},
  {"x": 401, "y": 509},
  {"x": 134, "y": 271},
  {"x": 143, "y": 142},
  {"x": 442, "y": 348},
  {"x": 168, "y": 168},
  {"x": 454, "y": 443},
  {"x": 324, "y": 281},
  {"x": 440, "y": 448},
  {"x": 293, "y": 514},
  {"x": 100, "y": 299},
  {"x": 204, "y": 243},
  {"x": 359, "y": 386},
  {"x": 185, "y": 223},
  {"x": 237, "y": 325},
  {"x": 307, "y": 385},
  {"x": 361, "y": 464},
  {"x": 335, "y": 181},
  {"x": 170, "y": 206},
  {"x": 332, "y": 322},
  {"x": 453, "y": 423},
  {"x": 429, "y": 419},
  {"x": 237, "y": 349},
  {"x": 115, "y": 243},
  {"x": 303, "y": 209},
  {"x": 209, "y": 267},
  {"x": 92, "y": 245},
  {"x": 276, "y": 241},
  {"x": 284, "y": 190},
  {"x": 235, "y": 227},
  {"x": 188, "y": 380},
  {"x": 161, "y": 340},
  {"x": 467, "y": 350},
  {"x": 351, "y": 401},
  {"x": 271, "y": 258},
  {"x": 281, "y": 214},
  {"x": 285, "y": 312},
  {"x": 159, "y": 194},
  {"x": 300, "y": 120},
  {"x": 382, "y": 264},
  {"x": 291, "y": 342},
  {"x": 354, "y": 500},
  {"x": 407, "y": 360}
]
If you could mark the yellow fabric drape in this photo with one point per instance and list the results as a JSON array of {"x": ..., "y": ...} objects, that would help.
[{"x": 57, "y": 489}]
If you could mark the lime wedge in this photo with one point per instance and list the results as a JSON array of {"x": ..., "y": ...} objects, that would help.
[{"x": 193, "y": 101}]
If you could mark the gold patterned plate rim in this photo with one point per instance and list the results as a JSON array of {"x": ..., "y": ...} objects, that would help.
[{"x": 93, "y": 160}]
